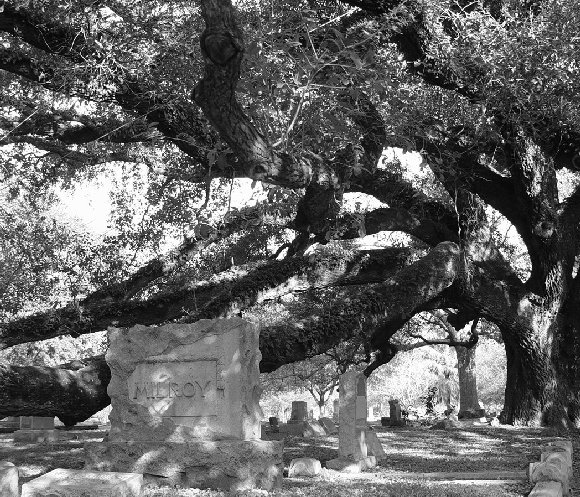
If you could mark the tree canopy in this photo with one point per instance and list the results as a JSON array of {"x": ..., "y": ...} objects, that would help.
[{"x": 178, "y": 99}]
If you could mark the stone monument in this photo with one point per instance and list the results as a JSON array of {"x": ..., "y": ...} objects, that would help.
[
  {"x": 395, "y": 413},
  {"x": 353, "y": 432},
  {"x": 300, "y": 424},
  {"x": 299, "y": 412},
  {"x": 36, "y": 429},
  {"x": 185, "y": 406}
]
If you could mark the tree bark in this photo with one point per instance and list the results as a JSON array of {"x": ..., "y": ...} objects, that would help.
[
  {"x": 467, "y": 372},
  {"x": 521, "y": 406},
  {"x": 72, "y": 392}
]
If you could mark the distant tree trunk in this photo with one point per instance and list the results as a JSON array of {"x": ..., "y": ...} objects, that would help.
[
  {"x": 321, "y": 404},
  {"x": 467, "y": 373}
]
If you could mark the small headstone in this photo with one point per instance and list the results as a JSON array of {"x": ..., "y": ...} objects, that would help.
[
  {"x": 446, "y": 424},
  {"x": 36, "y": 429},
  {"x": 559, "y": 446},
  {"x": 385, "y": 421},
  {"x": 8, "y": 479},
  {"x": 554, "y": 466},
  {"x": 547, "y": 489},
  {"x": 299, "y": 412},
  {"x": 74, "y": 483},
  {"x": 273, "y": 421},
  {"x": 350, "y": 466},
  {"x": 328, "y": 425},
  {"x": 352, "y": 428},
  {"x": 395, "y": 413},
  {"x": 494, "y": 422},
  {"x": 304, "y": 429},
  {"x": 540, "y": 472},
  {"x": 304, "y": 466},
  {"x": 313, "y": 429},
  {"x": 37, "y": 422},
  {"x": 374, "y": 447}
]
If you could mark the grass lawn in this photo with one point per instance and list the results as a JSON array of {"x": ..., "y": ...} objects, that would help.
[{"x": 410, "y": 452}]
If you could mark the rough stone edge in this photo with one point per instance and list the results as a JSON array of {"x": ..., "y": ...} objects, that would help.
[
  {"x": 311, "y": 462},
  {"x": 131, "y": 486},
  {"x": 270, "y": 451},
  {"x": 553, "y": 488},
  {"x": 8, "y": 469},
  {"x": 347, "y": 465},
  {"x": 547, "y": 489}
]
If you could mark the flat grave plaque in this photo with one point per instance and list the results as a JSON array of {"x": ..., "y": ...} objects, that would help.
[{"x": 75, "y": 483}]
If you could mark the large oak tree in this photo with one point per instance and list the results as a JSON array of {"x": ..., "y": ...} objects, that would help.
[{"x": 306, "y": 96}]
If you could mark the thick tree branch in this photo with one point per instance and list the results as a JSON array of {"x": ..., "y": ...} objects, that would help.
[
  {"x": 393, "y": 302},
  {"x": 393, "y": 219},
  {"x": 279, "y": 345},
  {"x": 73, "y": 157},
  {"x": 203, "y": 236},
  {"x": 391, "y": 188},
  {"x": 424, "y": 342},
  {"x": 73, "y": 391},
  {"x": 223, "y": 296},
  {"x": 71, "y": 128},
  {"x": 21, "y": 64},
  {"x": 222, "y": 46}
]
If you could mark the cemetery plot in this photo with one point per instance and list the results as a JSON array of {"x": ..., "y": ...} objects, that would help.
[{"x": 418, "y": 461}]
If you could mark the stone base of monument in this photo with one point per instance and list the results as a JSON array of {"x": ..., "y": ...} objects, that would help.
[
  {"x": 74, "y": 483},
  {"x": 36, "y": 436},
  {"x": 303, "y": 429},
  {"x": 346, "y": 465},
  {"x": 230, "y": 465}
]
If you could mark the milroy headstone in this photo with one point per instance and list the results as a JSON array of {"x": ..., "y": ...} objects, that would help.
[{"x": 185, "y": 406}]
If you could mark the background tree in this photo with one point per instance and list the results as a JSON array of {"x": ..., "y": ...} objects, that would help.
[{"x": 307, "y": 98}]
